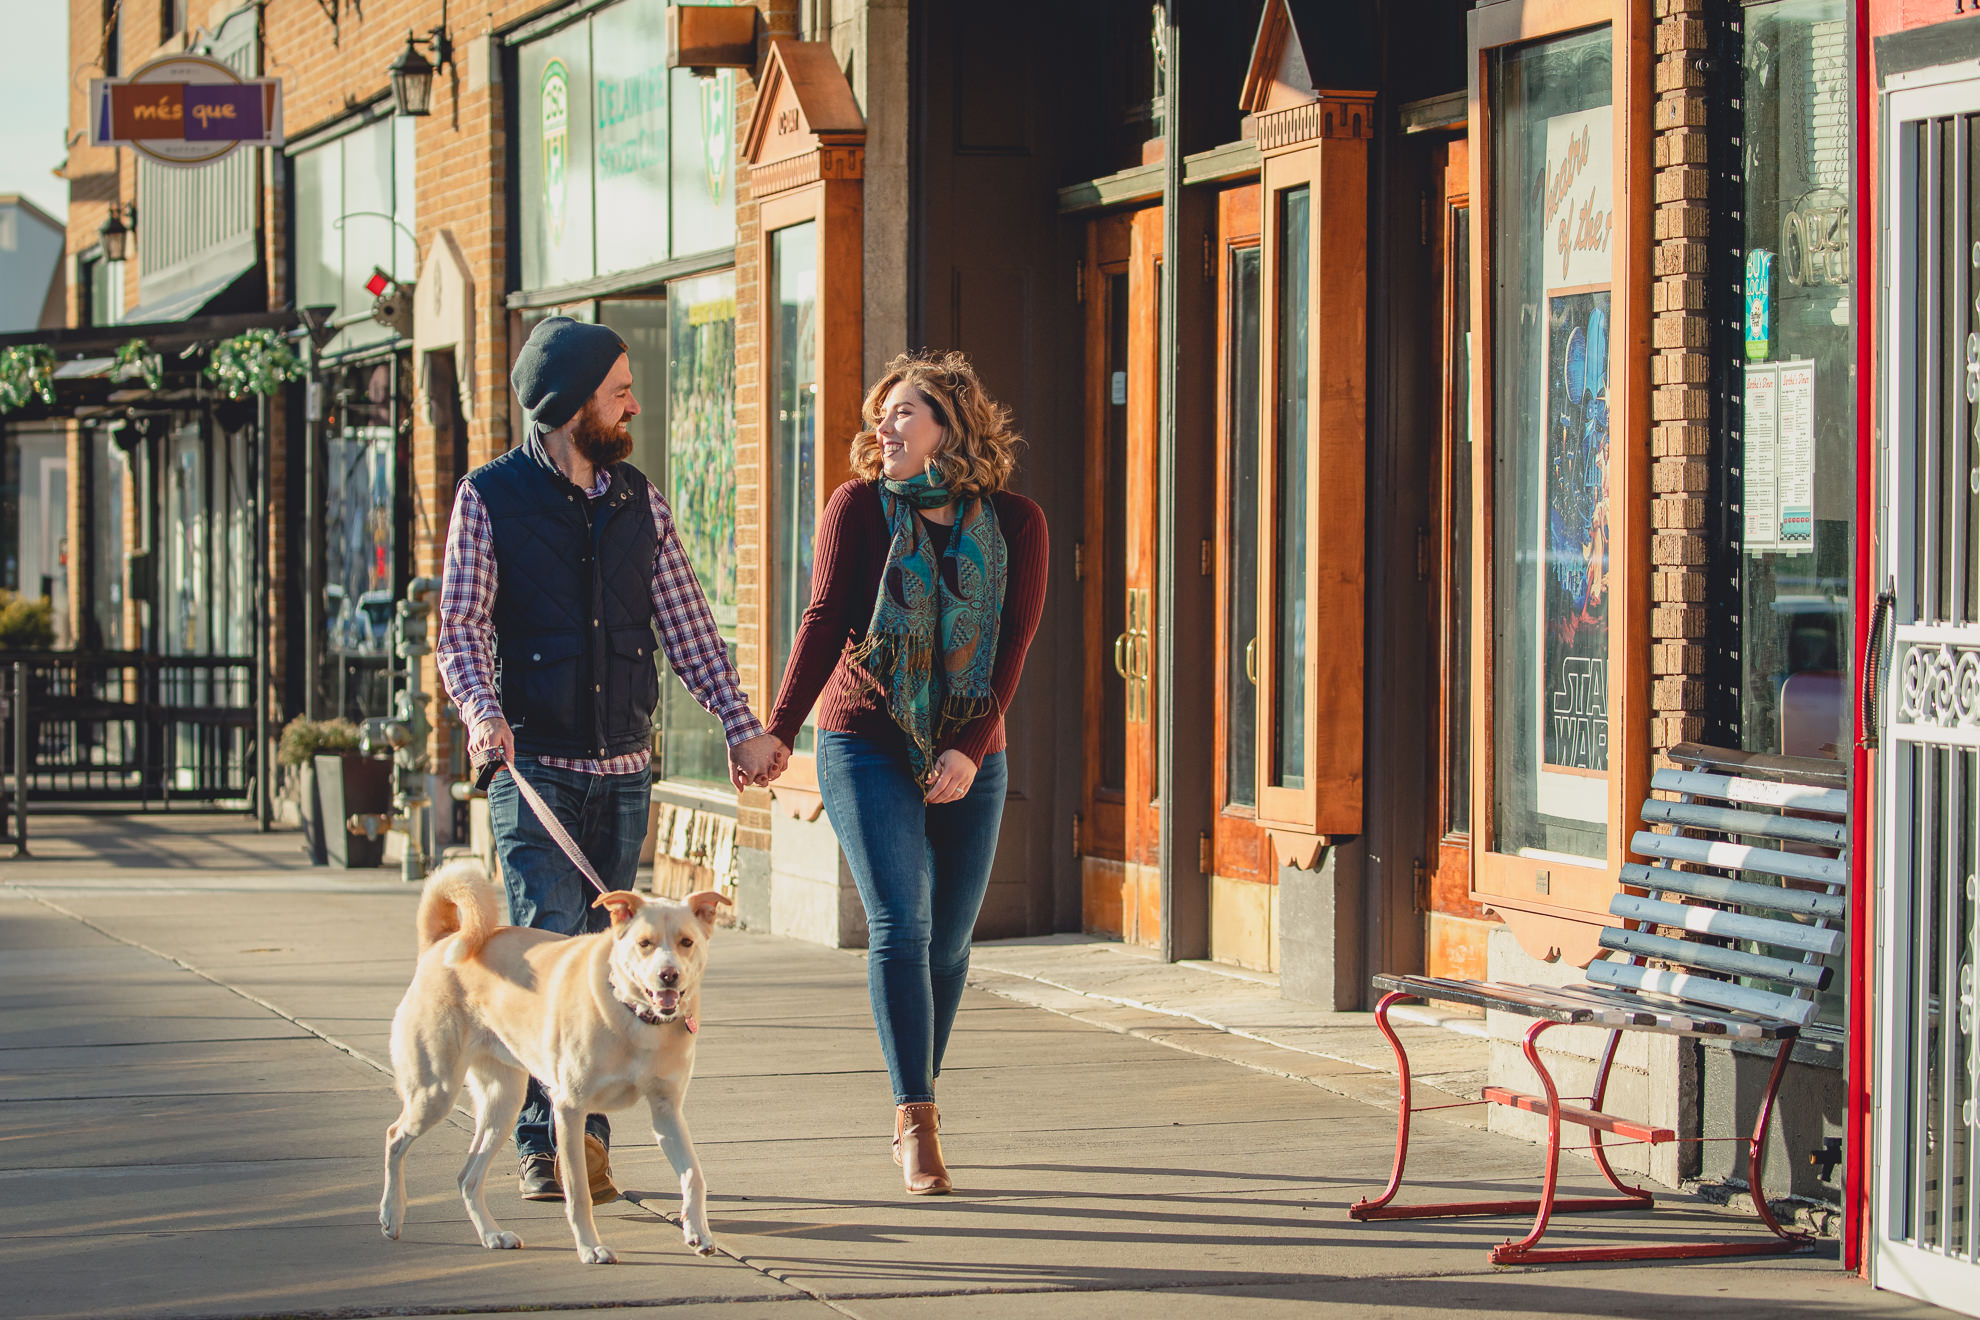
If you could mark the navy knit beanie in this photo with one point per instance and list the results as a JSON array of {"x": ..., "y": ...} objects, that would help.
[{"x": 562, "y": 365}]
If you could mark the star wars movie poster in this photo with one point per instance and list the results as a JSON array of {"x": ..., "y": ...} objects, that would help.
[{"x": 1575, "y": 471}]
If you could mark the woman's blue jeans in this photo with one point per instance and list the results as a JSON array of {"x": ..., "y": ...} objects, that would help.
[
  {"x": 607, "y": 815},
  {"x": 922, "y": 871}
]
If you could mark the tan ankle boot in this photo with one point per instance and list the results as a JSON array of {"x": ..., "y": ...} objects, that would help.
[{"x": 918, "y": 1150}]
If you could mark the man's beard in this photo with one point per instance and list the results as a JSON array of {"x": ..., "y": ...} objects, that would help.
[{"x": 600, "y": 444}]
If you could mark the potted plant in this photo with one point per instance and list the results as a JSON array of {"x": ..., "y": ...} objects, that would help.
[{"x": 337, "y": 782}]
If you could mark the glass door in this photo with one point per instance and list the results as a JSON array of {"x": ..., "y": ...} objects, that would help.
[
  {"x": 1241, "y": 848},
  {"x": 1122, "y": 888},
  {"x": 1927, "y": 860}
]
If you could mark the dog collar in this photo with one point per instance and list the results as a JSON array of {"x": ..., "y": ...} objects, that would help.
[{"x": 652, "y": 1019}]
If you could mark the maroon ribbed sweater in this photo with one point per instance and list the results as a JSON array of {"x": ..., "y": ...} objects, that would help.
[{"x": 851, "y": 551}]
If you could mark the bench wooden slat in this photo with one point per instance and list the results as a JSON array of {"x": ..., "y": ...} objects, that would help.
[
  {"x": 1822, "y": 771},
  {"x": 1705, "y": 884},
  {"x": 1703, "y": 990},
  {"x": 1759, "y": 792},
  {"x": 1702, "y": 1021},
  {"x": 1727, "y": 925},
  {"x": 1656, "y": 1014},
  {"x": 1742, "y": 857},
  {"x": 1729, "y": 820},
  {"x": 1712, "y": 958},
  {"x": 1485, "y": 994},
  {"x": 1576, "y": 1114}
]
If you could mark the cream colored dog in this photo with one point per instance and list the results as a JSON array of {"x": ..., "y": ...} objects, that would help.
[{"x": 601, "y": 1020}]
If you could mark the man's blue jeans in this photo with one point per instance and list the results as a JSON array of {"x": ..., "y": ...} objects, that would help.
[
  {"x": 607, "y": 815},
  {"x": 922, "y": 871}
]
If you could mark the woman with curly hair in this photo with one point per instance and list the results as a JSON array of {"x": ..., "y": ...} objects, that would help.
[{"x": 927, "y": 586}]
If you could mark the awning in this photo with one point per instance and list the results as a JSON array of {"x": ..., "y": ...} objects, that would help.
[{"x": 190, "y": 301}]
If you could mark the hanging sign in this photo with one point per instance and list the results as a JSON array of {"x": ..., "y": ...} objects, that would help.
[
  {"x": 185, "y": 110},
  {"x": 1578, "y": 220}
]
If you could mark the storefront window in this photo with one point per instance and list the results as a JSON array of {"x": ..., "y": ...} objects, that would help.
[
  {"x": 361, "y": 541},
  {"x": 1796, "y": 465},
  {"x": 621, "y": 162},
  {"x": 794, "y": 350},
  {"x": 701, "y": 487},
  {"x": 106, "y": 291},
  {"x": 702, "y": 116},
  {"x": 553, "y": 156},
  {"x": 1552, "y": 170},
  {"x": 107, "y": 562},
  {"x": 629, "y": 133},
  {"x": 1241, "y": 694},
  {"x": 355, "y": 212},
  {"x": 1289, "y": 669}
]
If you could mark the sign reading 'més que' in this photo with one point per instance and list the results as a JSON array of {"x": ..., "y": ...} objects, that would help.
[{"x": 185, "y": 110}]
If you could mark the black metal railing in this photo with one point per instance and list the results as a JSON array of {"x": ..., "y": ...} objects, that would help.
[{"x": 125, "y": 729}]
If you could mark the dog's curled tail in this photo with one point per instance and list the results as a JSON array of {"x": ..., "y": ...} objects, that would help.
[{"x": 458, "y": 901}]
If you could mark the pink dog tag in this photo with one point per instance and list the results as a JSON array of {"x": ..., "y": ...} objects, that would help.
[{"x": 691, "y": 1024}]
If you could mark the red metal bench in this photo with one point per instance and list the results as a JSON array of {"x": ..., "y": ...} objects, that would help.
[{"x": 1692, "y": 958}]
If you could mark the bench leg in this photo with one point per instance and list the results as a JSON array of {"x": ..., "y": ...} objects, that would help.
[
  {"x": 1595, "y": 1148},
  {"x": 1379, "y": 1208},
  {"x": 1365, "y": 1208},
  {"x": 1756, "y": 1150},
  {"x": 1784, "y": 1240}
]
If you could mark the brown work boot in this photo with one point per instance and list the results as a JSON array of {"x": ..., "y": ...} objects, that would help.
[
  {"x": 537, "y": 1179},
  {"x": 598, "y": 1171},
  {"x": 918, "y": 1150}
]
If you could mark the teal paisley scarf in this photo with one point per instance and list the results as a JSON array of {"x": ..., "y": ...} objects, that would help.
[{"x": 948, "y": 604}]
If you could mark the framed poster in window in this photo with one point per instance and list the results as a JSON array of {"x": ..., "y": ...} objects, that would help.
[{"x": 1561, "y": 187}]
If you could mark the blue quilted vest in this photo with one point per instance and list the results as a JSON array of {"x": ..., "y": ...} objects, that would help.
[{"x": 574, "y": 638}]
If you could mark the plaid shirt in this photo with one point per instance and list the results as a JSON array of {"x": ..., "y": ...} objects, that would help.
[{"x": 465, "y": 651}]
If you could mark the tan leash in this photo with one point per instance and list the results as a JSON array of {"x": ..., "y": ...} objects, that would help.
[{"x": 544, "y": 816}]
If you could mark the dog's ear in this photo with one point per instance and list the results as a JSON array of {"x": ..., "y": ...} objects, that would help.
[
  {"x": 705, "y": 904},
  {"x": 622, "y": 903}
]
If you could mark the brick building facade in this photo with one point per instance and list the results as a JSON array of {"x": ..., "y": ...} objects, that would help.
[{"x": 1118, "y": 239}]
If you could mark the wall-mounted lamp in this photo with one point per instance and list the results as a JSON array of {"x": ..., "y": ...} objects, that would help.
[
  {"x": 412, "y": 73},
  {"x": 115, "y": 235}
]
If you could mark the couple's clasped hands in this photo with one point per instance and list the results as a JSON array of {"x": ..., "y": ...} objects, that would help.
[{"x": 755, "y": 762}]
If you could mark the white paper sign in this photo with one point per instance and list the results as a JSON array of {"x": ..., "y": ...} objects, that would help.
[
  {"x": 1579, "y": 216},
  {"x": 1796, "y": 477},
  {"x": 1759, "y": 461}
]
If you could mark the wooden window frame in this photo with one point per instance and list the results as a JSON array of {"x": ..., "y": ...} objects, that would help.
[
  {"x": 840, "y": 390},
  {"x": 805, "y": 148},
  {"x": 1556, "y": 908},
  {"x": 1330, "y": 159}
]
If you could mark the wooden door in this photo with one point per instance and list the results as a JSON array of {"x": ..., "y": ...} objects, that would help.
[
  {"x": 1241, "y": 849},
  {"x": 1457, "y": 923},
  {"x": 1120, "y": 288}
]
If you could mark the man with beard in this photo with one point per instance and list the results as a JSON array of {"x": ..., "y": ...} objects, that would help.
[{"x": 561, "y": 559}]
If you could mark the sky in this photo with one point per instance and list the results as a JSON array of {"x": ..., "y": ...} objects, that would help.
[{"x": 34, "y": 102}]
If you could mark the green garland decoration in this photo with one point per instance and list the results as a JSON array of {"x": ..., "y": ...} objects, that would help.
[
  {"x": 254, "y": 362},
  {"x": 149, "y": 365},
  {"x": 25, "y": 375}
]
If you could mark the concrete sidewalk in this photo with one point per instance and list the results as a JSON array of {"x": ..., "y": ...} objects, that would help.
[{"x": 193, "y": 1100}]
